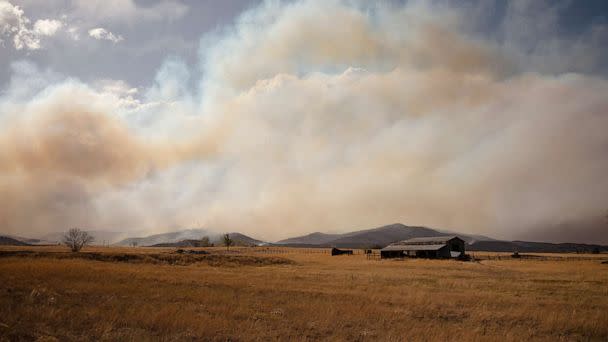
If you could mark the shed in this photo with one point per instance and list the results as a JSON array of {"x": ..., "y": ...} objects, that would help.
[
  {"x": 335, "y": 251},
  {"x": 425, "y": 247}
]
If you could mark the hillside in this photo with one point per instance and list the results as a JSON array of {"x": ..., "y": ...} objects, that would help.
[
  {"x": 382, "y": 236},
  {"x": 186, "y": 238},
  {"x": 241, "y": 240},
  {"x": 534, "y": 247},
  {"x": 469, "y": 238},
  {"x": 316, "y": 238},
  {"x": 171, "y": 237},
  {"x": 368, "y": 238},
  {"x": 9, "y": 241},
  {"x": 29, "y": 241},
  {"x": 238, "y": 239},
  {"x": 183, "y": 243}
]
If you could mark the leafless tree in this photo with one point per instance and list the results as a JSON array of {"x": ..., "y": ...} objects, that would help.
[
  {"x": 76, "y": 239},
  {"x": 205, "y": 242},
  {"x": 227, "y": 241}
]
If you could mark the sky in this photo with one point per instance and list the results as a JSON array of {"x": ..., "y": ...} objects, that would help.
[{"x": 281, "y": 118}]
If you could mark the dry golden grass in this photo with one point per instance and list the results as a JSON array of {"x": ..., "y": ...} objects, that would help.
[{"x": 317, "y": 297}]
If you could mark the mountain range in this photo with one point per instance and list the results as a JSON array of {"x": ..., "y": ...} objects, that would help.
[
  {"x": 366, "y": 238},
  {"x": 382, "y": 236},
  {"x": 171, "y": 237},
  {"x": 372, "y": 238},
  {"x": 238, "y": 239}
]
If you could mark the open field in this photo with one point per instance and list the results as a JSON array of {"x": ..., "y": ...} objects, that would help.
[{"x": 291, "y": 294}]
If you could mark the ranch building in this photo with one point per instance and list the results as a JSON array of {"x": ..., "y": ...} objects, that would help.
[{"x": 425, "y": 247}]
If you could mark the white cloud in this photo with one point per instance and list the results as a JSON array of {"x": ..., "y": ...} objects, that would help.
[
  {"x": 120, "y": 92},
  {"x": 11, "y": 17},
  {"x": 100, "y": 33},
  {"x": 14, "y": 23},
  {"x": 47, "y": 27}
]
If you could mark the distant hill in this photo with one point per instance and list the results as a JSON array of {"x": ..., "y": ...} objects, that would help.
[
  {"x": 171, "y": 237},
  {"x": 469, "y": 238},
  {"x": 9, "y": 241},
  {"x": 241, "y": 240},
  {"x": 368, "y": 238},
  {"x": 238, "y": 239},
  {"x": 183, "y": 243},
  {"x": 311, "y": 239},
  {"x": 186, "y": 238},
  {"x": 534, "y": 247},
  {"x": 28, "y": 241},
  {"x": 382, "y": 236}
]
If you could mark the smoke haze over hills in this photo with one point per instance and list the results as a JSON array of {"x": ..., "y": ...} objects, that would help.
[{"x": 326, "y": 116}]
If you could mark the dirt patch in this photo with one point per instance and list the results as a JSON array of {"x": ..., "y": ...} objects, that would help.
[{"x": 179, "y": 259}]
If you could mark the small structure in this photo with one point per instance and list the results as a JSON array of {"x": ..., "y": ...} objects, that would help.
[
  {"x": 335, "y": 251},
  {"x": 426, "y": 247}
]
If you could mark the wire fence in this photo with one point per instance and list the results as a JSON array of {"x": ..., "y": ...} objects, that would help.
[
  {"x": 288, "y": 250},
  {"x": 298, "y": 250},
  {"x": 534, "y": 257}
]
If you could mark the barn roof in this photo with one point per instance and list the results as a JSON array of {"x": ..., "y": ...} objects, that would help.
[
  {"x": 432, "y": 243},
  {"x": 428, "y": 240},
  {"x": 396, "y": 247}
]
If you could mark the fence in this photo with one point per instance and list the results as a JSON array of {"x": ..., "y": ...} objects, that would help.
[
  {"x": 292, "y": 250},
  {"x": 276, "y": 250},
  {"x": 534, "y": 257},
  {"x": 373, "y": 256}
]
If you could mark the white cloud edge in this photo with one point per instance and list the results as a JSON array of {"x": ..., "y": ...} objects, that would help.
[
  {"x": 15, "y": 25},
  {"x": 101, "y": 33}
]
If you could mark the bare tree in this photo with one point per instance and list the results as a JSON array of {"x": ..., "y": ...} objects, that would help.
[
  {"x": 205, "y": 242},
  {"x": 227, "y": 241},
  {"x": 76, "y": 239}
]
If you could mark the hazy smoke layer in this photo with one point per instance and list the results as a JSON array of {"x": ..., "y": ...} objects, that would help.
[{"x": 325, "y": 115}]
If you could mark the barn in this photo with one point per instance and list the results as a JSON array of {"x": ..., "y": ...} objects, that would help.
[{"x": 425, "y": 247}]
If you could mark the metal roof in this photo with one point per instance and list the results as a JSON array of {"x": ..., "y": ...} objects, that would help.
[
  {"x": 431, "y": 239},
  {"x": 439, "y": 239},
  {"x": 413, "y": 247}
]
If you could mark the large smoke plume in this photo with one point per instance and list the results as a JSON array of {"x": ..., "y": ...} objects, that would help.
[{"x": 325, "y": 115}]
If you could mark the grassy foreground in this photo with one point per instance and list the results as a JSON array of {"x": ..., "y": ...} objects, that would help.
[{"x": 296, "y": 296}]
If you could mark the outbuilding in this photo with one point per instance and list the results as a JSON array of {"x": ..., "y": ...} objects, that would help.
[
  {"x": 335, "y": 251},
  {"x": 425, "y": 247}
]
